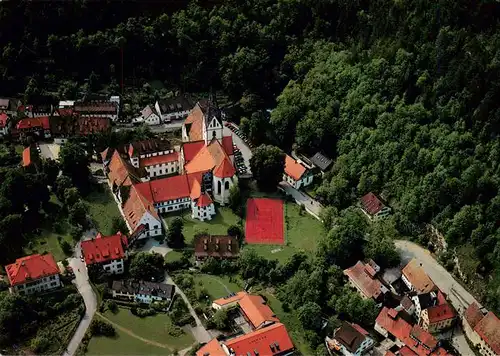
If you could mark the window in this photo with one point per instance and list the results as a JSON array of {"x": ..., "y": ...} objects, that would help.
[
  {"x": 218, "y": 187},
  {"x": 213, "y": 134},
  {"x": 107, "y": 268},
  {"x": 226, "y": 185}
]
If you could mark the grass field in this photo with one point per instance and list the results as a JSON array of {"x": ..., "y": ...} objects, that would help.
[
  {"x": 173, "y": 256},
  {"x": 47, "y": 242},
  {"x": 122, "y": 344},
  {"x": 216, "y": 285},
  {"x": 292, "y": 324},
  {"x": 153, "y": 328},
  {"x": 102, "y": 209},
  {"x": 217, "y": 226},
  {"x": 302, "y": 233}
]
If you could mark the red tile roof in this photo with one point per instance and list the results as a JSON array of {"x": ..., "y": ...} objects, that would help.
[
  {"x": 293, "y": 168},
  {"x": 406, "y": 351},
  {"x": 42, "y": 121},
  {"x": 26, "y": 157},
  {"x": 371, "y": 203},
  {"x": 106, "y": 107},
  {"x": 65, "y": 111},
  {"x": 204, "y": 200},
  {"x": 207, "y": 158},
  {"x": 104, "y": 248},
  {"x": 81, "y": 126},
  {"x": 31, "y": 268},
  {"x": 441, "y": 312},
  {"x": 120, "y": 170},
  {"x": 255, "y": 309},
  {"x": 163, "y": 159},
  {"x": 227, "y": 143},
  {"x": 361, "y": 276},
  {"x": 135, "y": 149},
  {"x": 136, "y": 206},
  {"x": 402, "y": 330},
  {"x": 194, "y": 123},
  {"x": 416, "y": 275},
  {"x": 212, "y": 348},
  {"x": 191, "y": 149},
  {"x": 473, "y": 315},
  {"x": 225, "y": 169},
  {"x": 489, "y": 330},
  {"x": 4, "y": 118},
  {"x": 234, "y": 298},
  {"x": 270, "y": 340},
  {"x": 441, "y": 298}
]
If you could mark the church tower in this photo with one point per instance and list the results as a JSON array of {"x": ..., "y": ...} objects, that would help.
[{"x": 212, "y": 123}]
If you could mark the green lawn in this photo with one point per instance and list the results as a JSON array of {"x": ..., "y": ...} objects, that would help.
[
  {"x": 215, "y": 285},
  {"x": 102, "y": 209},
  {"x": 122, "y": 344},
  {"x": 302, "y": 233},
  {"x": 173, "y": 256},
  {"x": 47, "y": 242},
  {"x": 153, "y": 328},
  {"x": 292, "y": 324},
  {"x": 217, "y": 226}
]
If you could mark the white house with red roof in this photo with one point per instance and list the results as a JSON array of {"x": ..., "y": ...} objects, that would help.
[
  {"x": 149, "y": 116},
  {"x": 157, "y": 157},
  {"x": 373, "y": 207},
  {"x": 296, "y": 174},
  {"x": 482, "y": 330},
  {"x": 38, "y": 125},
  {"x": 33, "y": 274},
  {"x": 4, "y": 124},
  {"x": 105, "y": 253}
]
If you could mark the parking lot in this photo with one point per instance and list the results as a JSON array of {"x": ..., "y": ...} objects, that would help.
[{"x": 242, "y": 149}]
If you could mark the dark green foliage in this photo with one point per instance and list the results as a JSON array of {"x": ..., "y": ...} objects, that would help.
[
  {"x": 220, "y": 319},
  {"x": 234, "y": 231},
  {"x": 267, "y": 165},
  {"x": 119, "y": 224},
  {"x": 101, "y": 328},
  {"x": 147, "y": 266},
  {"x": 175, "y": 238},
  {"x": 66, "y": 247},
  {"x": 75, "y": 164}
]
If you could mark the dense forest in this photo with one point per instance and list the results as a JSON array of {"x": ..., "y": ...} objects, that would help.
[{"x": 403, "y": 94}]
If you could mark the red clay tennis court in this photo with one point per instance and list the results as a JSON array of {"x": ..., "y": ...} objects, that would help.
[{"x": 264, "y": 223}]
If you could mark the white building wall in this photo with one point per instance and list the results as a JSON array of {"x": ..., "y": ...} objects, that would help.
[
  {"x": 202, "y": 213},
  {"x": 214, "y": 129},
  {"x": 114, "y": 267},
  {"x": 173, "y": 205},
  {"x": 154, "y": 225},
  {"x": 153, "y": 119},
  {"x": 40, "y": 285},
  {"x": 162, "y": 169},
  {"x": 221, "y": 191}
]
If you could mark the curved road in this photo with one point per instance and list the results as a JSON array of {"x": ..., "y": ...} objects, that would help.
[
  {"x": 459, "y": 297},
  {"x": 82, "y": 283}
]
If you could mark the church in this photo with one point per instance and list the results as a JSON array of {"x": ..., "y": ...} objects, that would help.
[{"x": 152, "y": 177}]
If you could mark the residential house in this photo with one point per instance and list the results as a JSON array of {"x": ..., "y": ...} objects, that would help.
[
  {"x": 415, "y": 278},
  {"x": 38, "y": 126},
  {"x": 9, "y": 106},
  {"x": 148, "y": 116},
  {"x": 142, "y": 291},
  {"x": 204, "y": 122},
  {"x": 33, "y": 274},
  {"x": 5, "y": 123},
  {"x": 438, "y": 318},
  {"x": 321, "y": 161},
  {"x": 362, "y": 277},
  {"x": 253, "y": 308},
  {"x": 349, "y": 340},
  {"x": 296, "y": 174},
  {"x": 66, "y": 104},
  {"x": 407, "y": 305},
  {"x": 219, "y": 247},
  {"x": 157, "y": 157},
  {"x": 270, "y": 341},
  {"x": 423, "y": 301},
  {"x": 175, "y": 108},
  {"x": 64, "y": 127},
  {"x": 140, "y": 214},
  {"x": 482, "y": 330},
  {"x": 373, "y": 207},
  {"x": 105, "y": 253},
  {"x": 107, "y": 109},
  {"x": 396, "y": 324},
  {"x": 41, "y": 109}
]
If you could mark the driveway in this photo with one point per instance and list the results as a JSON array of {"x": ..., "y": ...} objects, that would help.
[
  {"x": 199, "y": 332},
  {"x": 81, "y": 281},
  {"x": 246, "y": 152},
  {"x": 49, "y": 150},
  {"x": 153, "y": 246},
  {"x": 311, "y": 205},
  {"x": 459, "y": 297}
]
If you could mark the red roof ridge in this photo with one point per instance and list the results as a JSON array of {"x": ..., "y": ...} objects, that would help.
[
  {"x": 104, "y": 248},
  {"x": 225, "y": 169},
  {"x": 488, "y": 328},
  {"x": 31, "y": 268},
  {"x": 204, "y": 200},
  {"x": 293, "y": 168}
]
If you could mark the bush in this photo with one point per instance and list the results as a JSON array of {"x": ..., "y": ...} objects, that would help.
[
  {"x": 40, "y": 344},
  {"x": 185, "y": 320},
  {"x": 174, "y": 330},
  {"x": 102, "y": 328},
  {"x": 112, "y": 306},
  {"x": 234, "y": 231},
  {"x": 142, "y": 312},
  {"x": 66, "y": 247}
]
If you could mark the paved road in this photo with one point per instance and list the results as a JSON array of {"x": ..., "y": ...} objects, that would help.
[
  {"x": 199, "y": 332},
  {"x": 82, "y": 283},
  {"x": 311, "y": 205},
  {"x": 459, "y": 297}
]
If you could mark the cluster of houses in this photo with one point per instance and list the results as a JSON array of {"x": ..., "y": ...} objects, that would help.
[
  {"x": 257, "y": 329},
  {"x": 413, "y": 311},
  {"x": 165, "y": 110},
  {"x": 67, "y": 119},
  {"x": 102, "y": 255}
]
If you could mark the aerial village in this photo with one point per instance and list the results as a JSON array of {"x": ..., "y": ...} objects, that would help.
[{"x": 193, "y": 177}]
